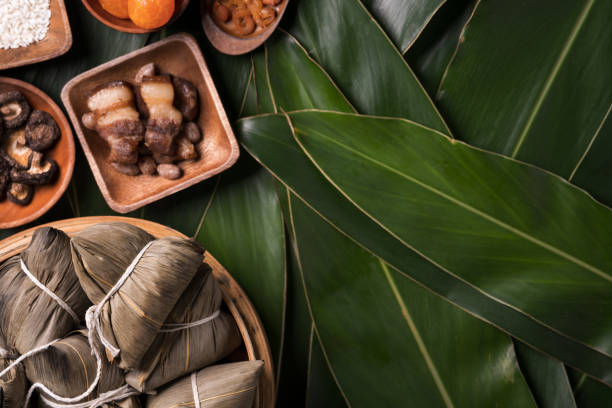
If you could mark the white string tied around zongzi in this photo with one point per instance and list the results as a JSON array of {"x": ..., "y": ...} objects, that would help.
[
  {"x": 98, "y": 309},
  {"x": 194, "y": 388},
  {"x": 26, "y": 355},
  {"x": 92, "y": 319},
  {"x": 174, "y": 327},
  {"x": 49, "y": 292},
  {"x": 118, "y": 394}
]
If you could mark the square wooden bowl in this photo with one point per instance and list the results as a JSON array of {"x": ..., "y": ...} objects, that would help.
[
  {"x": 57, "y": 42},
  {"x": 178, "y": 55}
]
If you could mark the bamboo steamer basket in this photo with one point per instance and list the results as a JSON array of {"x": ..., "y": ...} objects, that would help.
[{"x": 253, "y": 334}]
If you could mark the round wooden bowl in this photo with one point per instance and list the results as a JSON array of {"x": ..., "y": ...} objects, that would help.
[
  {"x": 45, "y": 196},
  {"x": 232, "y": 45},
  {"x": 126, "y": 25},
  {"x": 254, "y": 336}
]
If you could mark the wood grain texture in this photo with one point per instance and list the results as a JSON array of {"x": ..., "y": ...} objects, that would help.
[
  {"x": 180, "y": 56},
  {"x": 249, "y": 323},
  {"x": 232, "y": 45},
  {"x": 45, "y": 196},
  {"x": 57, "y": 41},
  {"x": 125, "y": 24}
]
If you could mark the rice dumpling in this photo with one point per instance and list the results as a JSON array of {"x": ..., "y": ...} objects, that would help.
[
  {"x": 68, "y": 368},
  {"x": 220, "y": 386},
  {"x": 41, "y": 299},
  {"x": 212, "y": 336},
  {"x": 13, "y": 386},
  {"x": 145, "y": 288}
]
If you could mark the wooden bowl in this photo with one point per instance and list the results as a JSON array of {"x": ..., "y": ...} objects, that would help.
[
  {"x": 126, "y": 25},
  {"x": 253, "y": 334},
  {"x": 57, "y": 42},
  {"x": 232, "y": 45},
  {"x": 45, "y": 196},
  {"x": 178, "y": 55}
]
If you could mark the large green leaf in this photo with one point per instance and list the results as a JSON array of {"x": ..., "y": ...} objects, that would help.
[
  {"x": 433, "y": 193},
  {"x": 532, "y": 80},
  {"x": 588, "y": 392},
  {"x": 546, "y": 377},
  {"x": 432, "y": 51},
  {"x": 391, "y": 342},
  {"x": 270, "y": 140},
  {"x": 403, "y": 20},
  {"x": 346, "y": 40}
]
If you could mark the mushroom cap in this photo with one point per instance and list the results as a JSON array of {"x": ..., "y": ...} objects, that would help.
[
  {"x": 41, "y": 131},
  {"x": 14, "y": 149},
  {"x": 20, "y": 193},
  {"x": 40, "y": 171},
  {"x": 14, "y": 108}
]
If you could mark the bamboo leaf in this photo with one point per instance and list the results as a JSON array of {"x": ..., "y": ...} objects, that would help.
[
  {"x": 364, "y": 63},
  {"x": 403, "y": 20},
  {"x": 445, "y": 192},
  {"x": 531, "y": 81},
  {"x": 588, "y": 392},
  {"x": 546, "y": 377},
  {"x": 433, "y": 49},
  {"x": 376, "y": 330}
]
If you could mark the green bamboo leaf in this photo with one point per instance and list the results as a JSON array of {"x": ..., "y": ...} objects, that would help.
[
  {"x": 531, "y": 80},
  {"x": 244, "y": 229},
  {"x": 588, "y": 392},
  {"x": 403, "y": 20},
  {"x": 433, "y": 49},
  {"x": 445, "y": 192},
  {"x": 346, "y": 40},
  {"x": 270, "y": 140},
  {"x": 376, "y": 330},
  {"x": 546, "y": 377}
]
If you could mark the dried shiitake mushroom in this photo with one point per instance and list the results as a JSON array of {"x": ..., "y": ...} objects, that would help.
[
  {"x": 14, "y": 109},
  {"x": 41, "y": 131},
  {"x": 20, "y": 193},
  {"x": 5, "y": 169},
  {"x": 186, "y": 98},
  {"x": 15, "y": 151},
  {"x": 40, "y": 171}
]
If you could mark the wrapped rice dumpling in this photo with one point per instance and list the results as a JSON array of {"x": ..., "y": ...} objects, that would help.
[
  {"x": 13, "y": 386},
  {"x": 102, "y": 252},
  {"x": 30, "y": 316},
  {"x": 221, "y": 386},
  {"x": 68, "y": 368},
  {"x": 152, "y": 278},
  {"x": 190, "y": 349}
]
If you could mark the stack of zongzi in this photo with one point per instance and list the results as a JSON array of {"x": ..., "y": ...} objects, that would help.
[
  {"x": 157, "y": 318},
  {"x": 220, "y": 386}
]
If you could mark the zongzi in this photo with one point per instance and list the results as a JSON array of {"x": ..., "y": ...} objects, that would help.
[
  {"x": 13, "y": 386},
  {"x": 68, "y": 368},
  {"x": 200, "y": 335},
  {"x": 41, "y": 299},
  {"x": 146, "y": 286},
  {"x": 220, "y": 386}
]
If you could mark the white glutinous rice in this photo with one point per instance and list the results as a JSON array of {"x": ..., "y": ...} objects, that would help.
[{"x": 23, "y": 22}]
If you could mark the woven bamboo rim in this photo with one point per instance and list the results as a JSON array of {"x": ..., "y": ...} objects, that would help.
[{"x": 249, "y": 323}]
